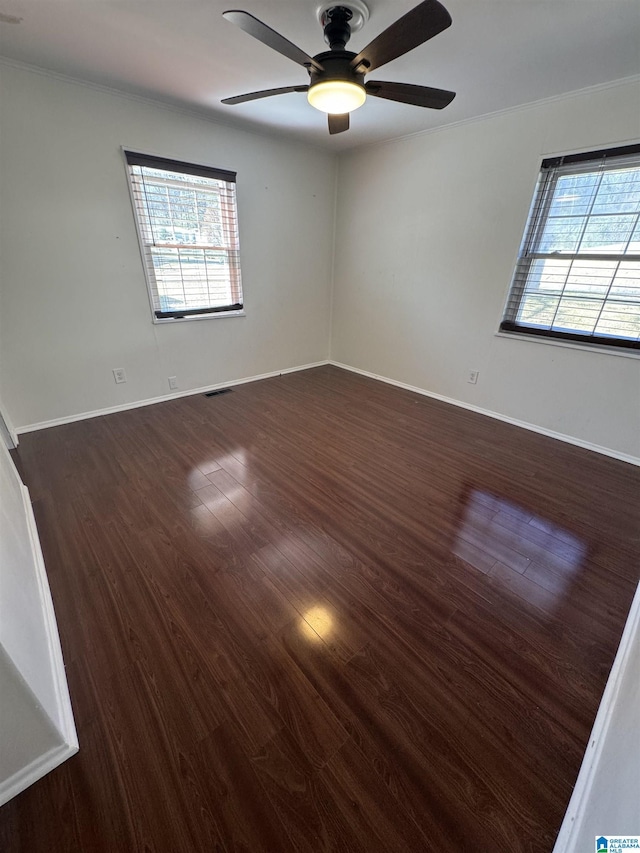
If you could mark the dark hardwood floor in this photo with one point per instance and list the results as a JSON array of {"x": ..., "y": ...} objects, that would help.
[{"x": 320, "y": 613}]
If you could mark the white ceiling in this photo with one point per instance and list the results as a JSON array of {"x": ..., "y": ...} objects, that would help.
[{"x": 497, "y": 54}]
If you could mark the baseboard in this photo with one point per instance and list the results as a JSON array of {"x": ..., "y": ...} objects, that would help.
[
  {"x": 36, "y": 770},
  {"x": 621, "y": 670},
  {"x": 7, "y": 422},
  {"x": 64, "y": 721},
  {"x": 150, "y": 401},
  {"x": 560, "y": 436},
  {"x": 569, "y": 439},
  {"x": 60, "y": 717}
]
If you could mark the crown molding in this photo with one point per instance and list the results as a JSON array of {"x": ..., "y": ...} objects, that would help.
[
  {"x": 214, "y": 118},
  {"x": 529, "y": 105},
  {"x": 194, "y": 111}
]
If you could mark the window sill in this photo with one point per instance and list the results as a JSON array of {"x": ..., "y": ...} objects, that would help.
[
  {"x": 159, "y": 321},
  {"x": 596, "y": 349}
]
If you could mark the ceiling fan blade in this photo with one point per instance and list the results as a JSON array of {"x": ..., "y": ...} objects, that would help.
[
  {"x": 417, "y": 26},
  {"x": 338, "y": 123},
  {"x": 265, "y": 93},
  {"x": 407, "y": 93},
  {"x": 271, "y": 38}
]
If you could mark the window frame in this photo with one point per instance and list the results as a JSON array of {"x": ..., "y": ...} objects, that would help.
[
  {"x": 551, "y": 170},
  {"x": 132, "y": 156}
]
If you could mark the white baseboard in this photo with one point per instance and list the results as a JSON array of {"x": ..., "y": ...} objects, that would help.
[
  {"x": 569, "y": 439},
  {"x": 621, "y": 670},
  {"x": 35, "y": 770},
  {"x": 63, "y": 721},
  {"x": 149, "y": 401},
  {"x": 60, "y": 716},
  {"x": 7, "y": 422}
]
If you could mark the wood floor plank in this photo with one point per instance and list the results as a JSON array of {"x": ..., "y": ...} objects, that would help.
[
  {"x": 365, "y": 806},
  {"x": 146, "y": 760},
  {"x": 228, "y": 802},
  {"x": 319, "y": 613},
  {"x": 402, "y": 771},
  {"x": 302, "y": 800}
]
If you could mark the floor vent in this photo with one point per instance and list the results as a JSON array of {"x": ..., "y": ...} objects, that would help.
[{"x": 216, "y": 393}]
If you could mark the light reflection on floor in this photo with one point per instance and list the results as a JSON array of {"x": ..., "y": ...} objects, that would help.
[
  {"x": 239, "y": 455},
  {"x": 226, "y": 461},
  {"x": 316, "y": 624},
  {"x": 533, "y": 556},
  {"x": 196, "y": 479},
  {"x": 220, "y": 491},
  {"x": 204, "y": 522}
]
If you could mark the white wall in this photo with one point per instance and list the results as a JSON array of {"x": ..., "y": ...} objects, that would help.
[
  {"x": 605, "y": 798},
  {"x": 74, "y": 301},
  {"x": 37, "y": 731},
  {"x": 428, "y": 233},
  {"x": 23, "y": 633},
  {"x": 26, "y": 733},
  {"x": 428, "y": 230}
]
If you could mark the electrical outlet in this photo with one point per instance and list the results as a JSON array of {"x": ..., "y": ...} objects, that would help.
[
  {"x": 473, "y": 376},
  {"x": 173, "y": 383},
  {"x": 119, "y": 375}
]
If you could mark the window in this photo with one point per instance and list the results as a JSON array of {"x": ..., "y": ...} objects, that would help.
[
  {"x": 578, "y": 272},
  {"x": 188, "y": 230}
]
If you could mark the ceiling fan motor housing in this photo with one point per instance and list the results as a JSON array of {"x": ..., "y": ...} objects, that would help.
[{"x": 336, "y": 65}]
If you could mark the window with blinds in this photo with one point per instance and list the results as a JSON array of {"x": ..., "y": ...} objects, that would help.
[
  {"x": 578, "y": 272},
  {"x": 188, "y": 230}
]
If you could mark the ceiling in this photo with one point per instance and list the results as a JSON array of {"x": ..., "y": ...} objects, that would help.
[{"x": 497, "y": 54}]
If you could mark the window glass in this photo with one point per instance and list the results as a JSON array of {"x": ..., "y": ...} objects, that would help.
[
  {"x": 187, "y": 224},
  {"x": 578, "y": 273}
]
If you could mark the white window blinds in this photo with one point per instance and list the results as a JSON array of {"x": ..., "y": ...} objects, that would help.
[
  {"x": 578, "y": 272},
  {"x": 188, "y": 230}
]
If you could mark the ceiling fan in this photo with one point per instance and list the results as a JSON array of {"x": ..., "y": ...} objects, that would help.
[{"x": 337, "y": 83}]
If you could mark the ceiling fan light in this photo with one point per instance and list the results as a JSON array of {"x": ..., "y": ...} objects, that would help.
[{"x": 336, "y": 96}]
